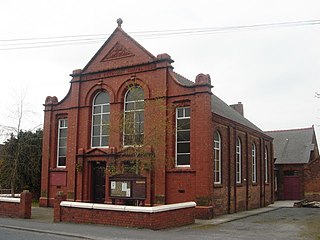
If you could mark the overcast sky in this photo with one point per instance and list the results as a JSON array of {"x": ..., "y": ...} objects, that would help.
[{"x": 273, "y": 71}]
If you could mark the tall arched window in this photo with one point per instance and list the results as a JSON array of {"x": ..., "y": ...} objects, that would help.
[
  {"x": 266, "y": 170},
  {"x": 100, "y": 120},
  {"x": 133, "y": 131},
  {"x": 254, "y": 163},
  {"x": 238, "y": 161},
  {"x": 217, "y": 158}
]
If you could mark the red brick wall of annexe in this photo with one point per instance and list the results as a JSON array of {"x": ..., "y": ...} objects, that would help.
[
  {"x": 229, "y": 196},
  {"x": 166, "y": 183},
  {"x": 312, "y": 180},
  {"x": 20, "y": 209}
]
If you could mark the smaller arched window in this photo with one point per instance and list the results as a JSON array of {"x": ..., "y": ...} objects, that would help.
[
  {"x": 254, "y": 163},
  {"x": 266, "y": 166},
  {"x": 100, "y": 120},
  {"x": 217, "y": 158},
  {"x": 238, "y": 161},
  {"x": 133, "y": 132}
]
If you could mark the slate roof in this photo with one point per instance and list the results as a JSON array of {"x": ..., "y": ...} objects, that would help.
[
  {"x": 220, "y": 108},
  {"x": 292, "y": 146},
  {"x": 181, "y": 79}
]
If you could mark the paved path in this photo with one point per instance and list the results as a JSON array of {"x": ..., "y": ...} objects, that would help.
[
  {"x": 41, "y": 222},
  {"x": 239, "y": 215}
]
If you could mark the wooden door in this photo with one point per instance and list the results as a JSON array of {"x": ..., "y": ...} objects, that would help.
[
  {"x": 99, "y": 181},
  {"x": 291, "y": 188}
]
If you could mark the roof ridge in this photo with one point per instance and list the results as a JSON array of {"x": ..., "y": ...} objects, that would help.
[{"x": 287, "y": 130}]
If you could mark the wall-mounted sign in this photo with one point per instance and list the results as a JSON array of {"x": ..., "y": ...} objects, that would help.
[
  {"x": 120, "y": 188},
  {"x": 128, "y": 187}
]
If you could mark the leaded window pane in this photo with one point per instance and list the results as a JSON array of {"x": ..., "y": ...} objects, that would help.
[
  {"x": 63, "y": 142},
  {"x": 105, "y": 130},
  {"x": 183, "y": 159},
  {"x": 187, "y": 112},
  {"x": 102, "y": 98},
  {"x": 183, "y": 136},
  {"x": 96, "y": 120},
  {"x": 100, "y": 120},
  {"x": 63, "y": 133},
  {"x": 97, "y": 110},
  {"x": 95, "y": 141},
  {"x": 104, "y": 140},
  {"x": 134, "y": 116},
  {"x": 96, "y": 131},
  {"x": 62, "y": 161},
  {"x": 183, "y": 124},
  {"x": 62, "y": 151},
  {"x": 183, "y": 147}
]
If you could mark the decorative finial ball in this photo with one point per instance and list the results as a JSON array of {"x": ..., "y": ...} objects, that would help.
[{"x": 119, "y": 21}]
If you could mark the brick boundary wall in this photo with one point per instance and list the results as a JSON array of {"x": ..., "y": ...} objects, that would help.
[
  {"x": 155, "y": 218},
  {"x": 16, "y": 207}
]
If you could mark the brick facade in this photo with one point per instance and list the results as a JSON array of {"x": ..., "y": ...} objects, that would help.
[{"x": 121, "y": 62}]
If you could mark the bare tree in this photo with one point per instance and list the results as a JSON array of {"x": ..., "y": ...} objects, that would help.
[{"x": 18, "y": 113}]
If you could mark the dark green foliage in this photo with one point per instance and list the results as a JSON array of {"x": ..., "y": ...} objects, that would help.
[{"x": 21, "y": 162}]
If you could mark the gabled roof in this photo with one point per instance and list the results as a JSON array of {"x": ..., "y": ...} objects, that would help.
[
  {"x": 293, "y": 146},
  {"x": 220, "y": 108},
  {"x": 119, "y": 50}
]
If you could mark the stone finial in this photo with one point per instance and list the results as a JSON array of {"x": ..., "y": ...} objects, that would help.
[
  {"x": 119, "y": 21},
  {"x": 51, "y": 100},
  {"x": 203, "y": 79}
]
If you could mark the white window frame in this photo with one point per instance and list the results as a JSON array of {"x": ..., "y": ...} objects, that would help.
[
  {"x": 266, "y": 165},
  {"x": 217, "y": 158},
  {"x": 254, "y": 163},
  {"x": 238, "y": 161},
  {"x": 101, "y": 124},
  {"x": 62, "y": 124},
  {"x": 177, "y": 130},
  {"x": 134, "y": 111}
]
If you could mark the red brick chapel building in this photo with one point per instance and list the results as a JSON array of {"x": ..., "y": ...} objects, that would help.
[{"x": 132, "y": 131}]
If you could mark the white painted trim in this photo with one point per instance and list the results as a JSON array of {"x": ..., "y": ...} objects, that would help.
[
  {"x": 109, "y": 207},
  {"x": 9, "y": 195},
  {"x": 9, "y": 199},
  {"x": 124, "y": 208}
]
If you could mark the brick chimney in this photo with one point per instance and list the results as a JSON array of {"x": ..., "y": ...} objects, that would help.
[{"x": 238, "y": 107}]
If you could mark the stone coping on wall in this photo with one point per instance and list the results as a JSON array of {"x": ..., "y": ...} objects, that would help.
[
  {"x": 10, "y": 199},
  {"x": 10, "y": 195},
  {"x": 125, "y": 208}
]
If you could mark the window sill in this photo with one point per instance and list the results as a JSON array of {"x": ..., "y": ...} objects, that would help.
[
  {"x": 58, "y": 169},
  {"x": 218, "y": 185},
  {"x": 181, "y": 170}
]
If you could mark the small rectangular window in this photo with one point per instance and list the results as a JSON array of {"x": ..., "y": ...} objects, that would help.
[
  {"x": 183, "y": 137},
  {"x": 62, "y": 143}
]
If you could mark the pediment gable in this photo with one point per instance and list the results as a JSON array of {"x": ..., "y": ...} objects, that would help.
[
  {"x": 96, "y": 151},
  {"x": 120, "y": 50}
]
